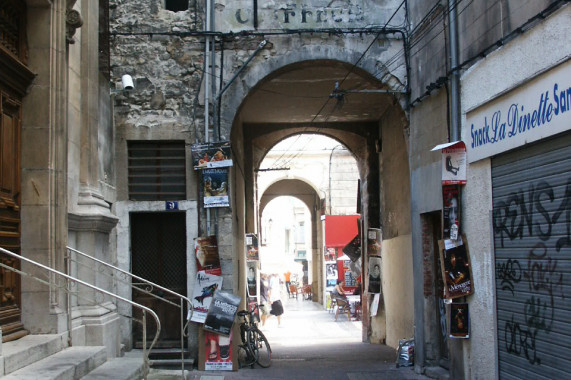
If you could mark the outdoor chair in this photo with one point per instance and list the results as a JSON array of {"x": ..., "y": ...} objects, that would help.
[
  {"x": 342, "y": 307},
  {"x": 293, "y": 291}
]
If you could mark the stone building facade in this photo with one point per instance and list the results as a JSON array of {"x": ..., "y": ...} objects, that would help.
[{"x": 100, "y": 169}]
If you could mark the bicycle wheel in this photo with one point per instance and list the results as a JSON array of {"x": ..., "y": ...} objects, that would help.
[{"x": 262, "y": 351}]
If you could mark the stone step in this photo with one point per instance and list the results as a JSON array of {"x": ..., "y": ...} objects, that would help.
[
  {"x": 69, "y": 364},
  {"x": 30, "y": 349},
  {"x": 118, "y": 369}
]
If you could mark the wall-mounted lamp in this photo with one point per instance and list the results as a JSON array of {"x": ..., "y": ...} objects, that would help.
[{"x": 126, "y": 84}]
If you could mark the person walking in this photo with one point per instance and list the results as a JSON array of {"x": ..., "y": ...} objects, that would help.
[
  {"x": 275, "y": 298},
  {"x": 265, "y": 304},
  {"x": 287, "y": 277}
]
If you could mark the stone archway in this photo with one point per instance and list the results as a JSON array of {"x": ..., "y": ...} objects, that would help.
[
  {"x": 272, "y": 102},
  {"x": 306, "y": 193}
]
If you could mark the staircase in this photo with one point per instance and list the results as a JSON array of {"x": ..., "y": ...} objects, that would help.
[{"x": 47, "y": 357}]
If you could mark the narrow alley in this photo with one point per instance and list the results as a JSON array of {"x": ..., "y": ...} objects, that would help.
[{"x": 310, "y": 344}]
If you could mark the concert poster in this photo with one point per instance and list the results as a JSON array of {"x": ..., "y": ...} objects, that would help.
[
  {"x": 206, "y": 253},
  {"x": 205, "y": 287},
  {"x": 456, "y": 270},
  {"x": 211, "y": 155},
  {"x": 252, "y": 252},
  {"x": 459, "y": 320},
  {"x": 215, "y": 188},
  {"x": 221, "y": 313},
  {"x": 218, "y": 352}
]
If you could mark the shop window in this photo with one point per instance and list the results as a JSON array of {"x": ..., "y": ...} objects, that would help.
[
  {"x": 176, "y": 5},
  {"x": 157, "y": 170}
]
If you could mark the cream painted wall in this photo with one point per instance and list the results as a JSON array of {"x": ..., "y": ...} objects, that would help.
[{"x": 397, "y": 308}]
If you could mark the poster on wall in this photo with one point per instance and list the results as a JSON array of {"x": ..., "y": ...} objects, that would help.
[
  {"x": 455, "y": 265},
  {"x": 453, "y": 162},
  {"x": 374, "y": 285},
  {"x": 252, "y": 252},
  {"x": 211, "y": 155},
  {"x": 215, "y": 188},
  {"x": 330, "y": 254},
  {"x": 451, "y": 211},
  {"x": 218, "y": 352},
  {"x": 221, "y": 313},
  {"x": 205, "y": 287},
  {"x": 206, "y": 253},
  {"x": 458, "y": 320},
  {"x": 374, "y": 240},
  {"x": 251, "y": 277},
  {"x": 353, "y": 249},
  {"x": 331, "y": 273}
]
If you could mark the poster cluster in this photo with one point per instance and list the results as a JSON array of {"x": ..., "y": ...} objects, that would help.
[{"x": 214, "y": 309}]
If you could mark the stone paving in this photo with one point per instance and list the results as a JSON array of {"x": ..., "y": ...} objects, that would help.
[{"x": 311, "y": 345}]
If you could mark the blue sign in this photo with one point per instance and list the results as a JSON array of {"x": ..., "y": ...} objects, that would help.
[{"x": 170, "y": 205}]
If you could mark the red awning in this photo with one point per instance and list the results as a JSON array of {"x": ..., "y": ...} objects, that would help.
[{"x": 340, "y": 230}]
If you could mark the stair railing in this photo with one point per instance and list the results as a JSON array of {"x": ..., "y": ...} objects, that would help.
[
  {"x": 72, "y": 281},
  {"x": 144, "y": 286}
]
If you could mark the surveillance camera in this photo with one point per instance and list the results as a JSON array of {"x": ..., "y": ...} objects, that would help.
[{"x": 127, "y": 82}]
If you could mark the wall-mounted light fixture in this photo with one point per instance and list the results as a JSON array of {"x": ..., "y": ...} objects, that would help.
[{"x": 126, "y": 84}]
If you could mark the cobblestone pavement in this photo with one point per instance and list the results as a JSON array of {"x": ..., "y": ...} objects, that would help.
[{"x": 310, "y": 344}]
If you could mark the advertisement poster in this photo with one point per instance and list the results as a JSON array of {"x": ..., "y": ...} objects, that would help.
[
  {"x": 205, "y": 287},
  {"x": 252, "y": 252},
  {"x": 330, "y": 254},
  {"x": 218, "y": 352},
  {"x": 251, "y": 277},
  {"x": 455, "y": 262},
  {"x": 211, "y": 155},
  {"x": 215, "y": 188},
  {"x": 454, "y": 164},
  {"x": 374, "y": 241},
  {"x": 353, "y": 249},
  {"x": 374, "y": 275},
  {"x": 331, "y": 273},
  {"x": 206, "y": 253},
  {"x": 459, "y": 320},
  {"x": 451, "y": 216},
  {"x": 221, "y": 313}
]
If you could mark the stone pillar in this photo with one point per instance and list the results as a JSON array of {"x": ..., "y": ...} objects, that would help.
[{"x": 44, "y": 165}]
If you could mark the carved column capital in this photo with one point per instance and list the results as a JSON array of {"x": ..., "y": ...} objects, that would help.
[{"x": 73, "y": 21}]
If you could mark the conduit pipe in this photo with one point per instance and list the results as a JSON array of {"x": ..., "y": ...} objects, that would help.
[{"x": 455, "y": 71}]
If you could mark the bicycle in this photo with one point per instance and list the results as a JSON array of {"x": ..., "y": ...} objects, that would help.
[{"x": 255, "y": 347}]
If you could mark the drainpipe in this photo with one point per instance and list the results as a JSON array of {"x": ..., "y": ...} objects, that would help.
[
  {"x": 207, "y": 57},
  {"x": 455, "y": 76}
]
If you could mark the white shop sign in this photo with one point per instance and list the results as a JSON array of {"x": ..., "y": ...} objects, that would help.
[{"x": 538, "y": 109}]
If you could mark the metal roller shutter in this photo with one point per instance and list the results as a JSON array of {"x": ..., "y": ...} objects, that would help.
[{"x": 531, "y": 190}]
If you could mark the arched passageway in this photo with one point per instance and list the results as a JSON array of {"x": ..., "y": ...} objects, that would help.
[{"x": 295, "y": 99}]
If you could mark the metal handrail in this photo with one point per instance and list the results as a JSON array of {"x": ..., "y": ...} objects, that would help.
[
  {"x": 148, "y": 291},
  {"x": 71, "y": 279}
]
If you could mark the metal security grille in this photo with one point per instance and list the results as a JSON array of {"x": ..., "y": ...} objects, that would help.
[
  {"x": 158, "y": 254},
  {"x": 157, "y": 170},
  {"x": 532, "y": 239}
]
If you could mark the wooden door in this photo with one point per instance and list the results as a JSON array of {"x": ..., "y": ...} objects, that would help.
[
  {"x": 158, "y": 254},
  {"x": 10, "y": 315}
]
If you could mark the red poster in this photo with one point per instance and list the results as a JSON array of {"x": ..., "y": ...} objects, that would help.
[
  {"x": 218, "y": 352},
  {"x": 206, "y": 253}
]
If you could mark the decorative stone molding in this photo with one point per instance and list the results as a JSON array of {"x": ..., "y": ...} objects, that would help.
[
  {"x": 91, "y": 223},
  {"x": 73, "y": 21}
]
